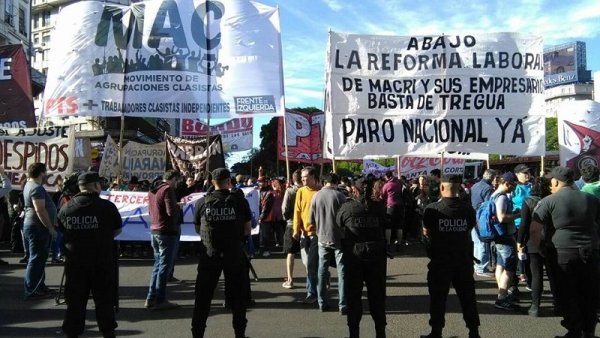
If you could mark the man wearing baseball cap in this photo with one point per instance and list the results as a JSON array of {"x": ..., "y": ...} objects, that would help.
[
  {"x": 567, "y": 220},
  {"x": 522, "y": 191}
]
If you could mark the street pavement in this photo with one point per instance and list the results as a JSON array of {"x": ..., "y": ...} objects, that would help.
[{"x": 278, "y": 312}]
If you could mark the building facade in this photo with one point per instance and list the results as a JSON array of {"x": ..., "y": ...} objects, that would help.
[{"x": 14, "y": 22}]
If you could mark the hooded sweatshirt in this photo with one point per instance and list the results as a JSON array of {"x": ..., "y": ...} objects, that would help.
[{"x": 163, "y": 209}]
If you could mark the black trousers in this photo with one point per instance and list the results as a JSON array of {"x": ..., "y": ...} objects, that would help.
[
  {"x": 458, "y": 271},
  {"x": 371, "y": 273},
  {"x": 234, "y": 266},
  {"x": 576, "y": 276},
  {"x": 79, "y": 281}
]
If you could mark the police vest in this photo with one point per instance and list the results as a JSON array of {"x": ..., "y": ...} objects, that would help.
[{"x": 220, "y": 228}]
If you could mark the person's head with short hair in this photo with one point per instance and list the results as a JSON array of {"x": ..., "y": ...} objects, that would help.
[
  {"x": 490, "y": 174},
  {"x": 560, "y": 177},
  {"x": 436, "y": 174},
  {"x": 133, "y": 180},
  {"x": 172, "y": 177},
  {"x": 450, "y": 185},
  {"x": 331, "y": 179},
  {"x": 522, "y": 171},
  {"x": 239, "y": 179},
  {"x": 89, "y": 182},
  {"x": 309, "y": 177},
  {"x": 297, "y": 177},
  {"x": 221, "y": 179},
  {"x": 36, "y": 170},
  {"x": 389, "y": 175},
  {"x": 590, "y": 173}
]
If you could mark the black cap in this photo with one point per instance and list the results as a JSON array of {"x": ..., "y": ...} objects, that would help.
[
  {"x": 562, "y": 174},
  {"x": 332, "y": 178},
  {"x": 521, "y": 168},
  {"x": 88, "y": 177},
  {"x": 455, "y": 179},
  {"x": 220, "y": 174}
]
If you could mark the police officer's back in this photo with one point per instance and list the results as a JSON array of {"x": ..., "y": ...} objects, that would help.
[
  {"x": 363, "y": 244},
  {"x": 222, "y": 219},
  {"x": 447, "y": 225},
  {"x": 89, "y": 225}
]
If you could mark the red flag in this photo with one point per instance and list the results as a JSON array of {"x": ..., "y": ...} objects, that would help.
[{"x": 16, "y": 102}]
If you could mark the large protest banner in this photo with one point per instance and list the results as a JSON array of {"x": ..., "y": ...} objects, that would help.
[
  {"x": 304, "y": 137},
  {"x": 15, "y": 88},
  {"x": 53, "y": 146},
  {"x": 133, "y": 207},
  {"x": 144, "y": 161},
  {"x": 579, "y": 134},
  {"x": 415, "y": 95},
  {"x": 236, "y": 134},
  {"x": 190, "y": 156},
  {"x": 166, "y": 58}
]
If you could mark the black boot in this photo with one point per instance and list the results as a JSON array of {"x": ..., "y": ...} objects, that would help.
[
  {"x": 435, "y": 333},
  {"x": 380, "y": 332}
]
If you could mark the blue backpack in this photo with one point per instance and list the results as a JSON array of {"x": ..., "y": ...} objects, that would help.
[{"x": 488, "y": 226}]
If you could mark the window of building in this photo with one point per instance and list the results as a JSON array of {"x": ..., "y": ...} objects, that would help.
[
  {"x": 45, "y": 18},
  {"x": 36, "y": 18},
  {"x": 36, "y": 39},
  {"x": 22, "y": 21},
  {"x": 45, "y": 39},
  {"x": 8, "y": 12}
]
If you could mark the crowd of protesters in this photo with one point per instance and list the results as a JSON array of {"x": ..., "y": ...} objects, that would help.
[{"x": 551, "y": 222}]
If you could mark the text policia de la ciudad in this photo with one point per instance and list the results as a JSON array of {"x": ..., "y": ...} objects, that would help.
[{"x": 448, "y": 94}]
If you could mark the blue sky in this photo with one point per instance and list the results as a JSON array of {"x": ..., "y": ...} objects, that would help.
[{"x": 305, "y": 25}]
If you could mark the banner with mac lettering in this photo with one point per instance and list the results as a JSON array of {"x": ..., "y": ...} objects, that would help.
[
  {"x": 165, "y": 58},
  {"x": 415, "y": 95},
  {"x": 133, "y": 207}
]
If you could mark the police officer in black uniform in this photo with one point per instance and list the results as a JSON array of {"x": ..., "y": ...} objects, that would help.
[
  {"x": 447, "y": 226},
  {"x": 364, "y": 245},
  {"x": 89, "y": 225},
  {"x": 222, "y": 219}
]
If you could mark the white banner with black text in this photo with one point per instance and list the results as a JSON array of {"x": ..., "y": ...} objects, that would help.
[{"x": 415, "y": 95}]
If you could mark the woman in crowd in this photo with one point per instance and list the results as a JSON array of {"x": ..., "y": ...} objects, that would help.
[{"x": 539, "y": 190}]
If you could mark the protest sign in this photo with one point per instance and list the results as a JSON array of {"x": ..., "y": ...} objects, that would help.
[
  {"x": 190, "y": 155},
  {"x": 144, "y": 161},
  {"x": 376, "y": 169},
  {"x": 412, "y": 167},
  {"x": 236, "y": 134},
  {"x": 415, "y": 95},
  {"x": 133, "y": 207},
  {"x": 167, "y": 59},
  {"x": 304, "y": 137},
  {"x": 579, "y": 134},
  {"x": 109, "y": 167},
  {"x": 53, "y": 146}
]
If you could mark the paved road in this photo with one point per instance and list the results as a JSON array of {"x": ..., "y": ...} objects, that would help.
[{"x": 278, "y": 312}]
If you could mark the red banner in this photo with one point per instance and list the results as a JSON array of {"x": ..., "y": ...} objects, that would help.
[
  {"x": 16, "y": 102},
  {"x": 304, "y": 137}
]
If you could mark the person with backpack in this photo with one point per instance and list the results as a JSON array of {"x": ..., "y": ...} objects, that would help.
[
  {"x": 447, "y": 224},
  {"x": 481, "y": 192},
  {"x": 362, "y": 224},
  {"x": 221, "y": 219},
  {"x": 504, "y": 241},
  {"x": 539, "y": 189}
]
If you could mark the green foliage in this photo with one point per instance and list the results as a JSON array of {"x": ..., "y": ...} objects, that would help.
[{"x": 552, "y": 133}]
